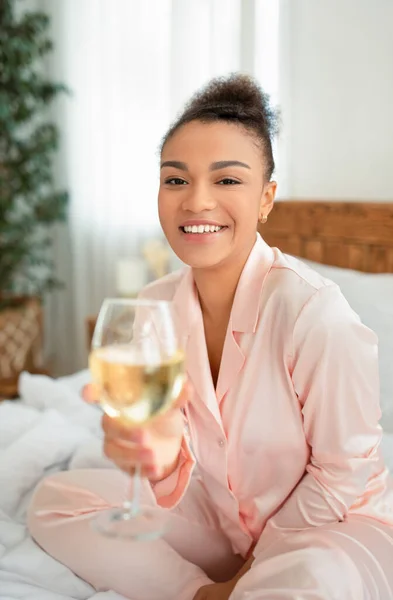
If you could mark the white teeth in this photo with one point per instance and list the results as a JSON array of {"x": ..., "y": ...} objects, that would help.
[{"x": 202, "y": 228}]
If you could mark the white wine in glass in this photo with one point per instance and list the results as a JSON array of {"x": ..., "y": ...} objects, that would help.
[{"x": 137, "y": 363}]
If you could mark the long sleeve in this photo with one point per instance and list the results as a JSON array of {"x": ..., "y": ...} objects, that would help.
[
  {"x": 170, "y": 491},
  {"x": 335, "y": 378}
]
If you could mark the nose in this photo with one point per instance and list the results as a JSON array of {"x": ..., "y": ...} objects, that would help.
[{"x": 198, "y": 199}]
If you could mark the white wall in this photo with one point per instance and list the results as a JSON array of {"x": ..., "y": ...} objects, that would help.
[{"x": 339, "y": 103}]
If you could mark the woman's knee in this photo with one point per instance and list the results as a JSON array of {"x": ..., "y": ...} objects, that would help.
[
  {"x": 327, "y": 571},
  {"x": 319, "y": 571},
  {"x": 65, "y": 499}
]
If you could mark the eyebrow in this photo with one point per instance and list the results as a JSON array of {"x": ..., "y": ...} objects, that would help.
[
  {"x": 176, "y": 164},
  {"x": 221, "y": 164}
]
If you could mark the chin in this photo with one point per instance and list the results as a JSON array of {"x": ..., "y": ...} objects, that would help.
[
  {"x": 196, "y": 261},
  {"x": 201, "y": 255},
  {"x": 199, "y": 264}
]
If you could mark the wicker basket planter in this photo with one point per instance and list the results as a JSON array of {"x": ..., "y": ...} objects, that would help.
[{"x": 20, "y": 342}]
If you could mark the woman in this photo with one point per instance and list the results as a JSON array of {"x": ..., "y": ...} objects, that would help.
[{"x": 292, "y": 499}]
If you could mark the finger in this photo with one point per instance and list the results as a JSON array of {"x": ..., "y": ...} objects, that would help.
[
  {"x": 129, "y": 461},
  {"x": 117, "y": 429},
  {"x": 170, "y": 424},
  {"x": 90, "y": 393},
  {"x": 200, "y": 595},
  {"x": 126, "y": 454},
  {"x": 153, "y": 473}
]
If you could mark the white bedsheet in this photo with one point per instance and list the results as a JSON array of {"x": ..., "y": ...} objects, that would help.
[{"x": 48, "y": 430}]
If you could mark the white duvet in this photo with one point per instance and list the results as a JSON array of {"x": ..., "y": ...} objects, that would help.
[{"x": 50, "y": 429}]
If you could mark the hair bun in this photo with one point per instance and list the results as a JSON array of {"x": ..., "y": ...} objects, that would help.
[
  {"x": 236, "y": 98},
  {"x": 236, "y": 88}
]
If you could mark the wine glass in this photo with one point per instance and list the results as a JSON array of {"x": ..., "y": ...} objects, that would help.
[{"x": 137, "y": 363}]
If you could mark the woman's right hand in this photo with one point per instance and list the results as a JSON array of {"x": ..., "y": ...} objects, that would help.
[{"x": 155, "y": 447}]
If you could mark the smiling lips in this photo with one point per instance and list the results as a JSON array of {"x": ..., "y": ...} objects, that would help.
[{"x": 201, "y": 228}]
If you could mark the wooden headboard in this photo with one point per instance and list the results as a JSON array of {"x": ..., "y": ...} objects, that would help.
[{"x": 354, "y": 235}]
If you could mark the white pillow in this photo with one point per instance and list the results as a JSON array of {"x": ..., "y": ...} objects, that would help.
[{"x": 371, "y": 297}]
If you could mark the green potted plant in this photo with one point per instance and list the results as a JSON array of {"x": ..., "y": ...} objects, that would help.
[{"x": 29, "y": 203}]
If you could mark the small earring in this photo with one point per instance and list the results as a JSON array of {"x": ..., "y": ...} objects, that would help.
[{"x": 263, "y": 219}]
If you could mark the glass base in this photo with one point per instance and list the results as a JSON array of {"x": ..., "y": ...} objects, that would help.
[{"x": 146, "y": 525}]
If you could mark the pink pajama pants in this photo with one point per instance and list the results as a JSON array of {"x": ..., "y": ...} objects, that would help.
[{"x": 345, "y": 561}]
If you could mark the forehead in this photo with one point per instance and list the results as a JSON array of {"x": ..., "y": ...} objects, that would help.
[{"x": 210, "y": 142}]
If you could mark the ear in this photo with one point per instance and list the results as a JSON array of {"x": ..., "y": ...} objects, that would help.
[{"x": 267, "y": 200}]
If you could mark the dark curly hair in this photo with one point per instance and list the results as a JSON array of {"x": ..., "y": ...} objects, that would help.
[{"x": 235, "y": 99}]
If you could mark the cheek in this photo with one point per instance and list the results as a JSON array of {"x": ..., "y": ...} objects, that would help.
[
  {"x": 165, "y": 209},
  {"x": 244, "y": 211}
]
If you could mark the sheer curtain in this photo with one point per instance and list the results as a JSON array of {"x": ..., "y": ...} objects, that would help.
[{"x": 130, "y": 65}]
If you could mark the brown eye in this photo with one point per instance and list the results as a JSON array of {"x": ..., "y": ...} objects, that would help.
[
  {"x": 176, "y": 181},
  {"x": 228, "y": 181}
]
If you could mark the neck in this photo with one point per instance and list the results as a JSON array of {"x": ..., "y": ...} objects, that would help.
[{"x": 217, "y": 287}]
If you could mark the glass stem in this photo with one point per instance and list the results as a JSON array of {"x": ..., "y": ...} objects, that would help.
[{"x": 133, "y": 505}]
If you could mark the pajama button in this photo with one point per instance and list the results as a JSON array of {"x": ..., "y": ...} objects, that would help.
[{"x": 221, "y": 443}]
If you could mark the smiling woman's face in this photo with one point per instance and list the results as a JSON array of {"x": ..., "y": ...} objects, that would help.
[{"x": 212, "y": 177}]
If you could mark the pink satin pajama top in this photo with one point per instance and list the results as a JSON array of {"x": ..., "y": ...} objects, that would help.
[{"x": 289, "y": 438}]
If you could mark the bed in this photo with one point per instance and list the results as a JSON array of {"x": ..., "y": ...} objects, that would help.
[
  {"x": 350, "y": 243},
  {"x": 51, "y": 429},
  {"x": 350, "y": 235}
]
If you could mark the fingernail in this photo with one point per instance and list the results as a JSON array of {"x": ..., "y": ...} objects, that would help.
[
  {"x": 145, "y": 455},
  {"x": 135, "y": 436},
  {"x": 152, "y": 471}
]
